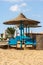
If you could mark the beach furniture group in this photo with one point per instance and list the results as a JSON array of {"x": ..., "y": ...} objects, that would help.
[
  {"x": 25, "y": 39},
  {"x": 22, "y": 22}
]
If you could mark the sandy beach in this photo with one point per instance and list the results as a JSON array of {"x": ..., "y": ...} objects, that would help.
[
  {"x": 21, "y": 57},
  {"x": 21, "y": 25}
]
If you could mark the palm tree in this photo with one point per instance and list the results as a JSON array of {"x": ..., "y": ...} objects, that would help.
[{"x": 10, "y": 31}]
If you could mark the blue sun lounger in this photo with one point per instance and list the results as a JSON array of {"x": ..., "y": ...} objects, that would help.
[
  {"x": 30, "y": 42},
  {"x": 20, "y": 38},
  {"x": 12, "y": 41}
]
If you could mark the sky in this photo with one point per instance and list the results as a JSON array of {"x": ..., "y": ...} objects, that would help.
[{"x": 10, "y": 9}]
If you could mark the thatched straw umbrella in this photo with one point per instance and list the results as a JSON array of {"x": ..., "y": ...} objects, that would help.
[{"x": 22, "y": 20}]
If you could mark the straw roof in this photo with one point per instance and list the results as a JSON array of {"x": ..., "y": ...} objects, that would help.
[{"x": 23, "y": 19}]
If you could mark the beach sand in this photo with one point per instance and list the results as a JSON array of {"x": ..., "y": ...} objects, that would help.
[
  {"x": 21, "y": 57},
  {"x": 15, "y": 56}
]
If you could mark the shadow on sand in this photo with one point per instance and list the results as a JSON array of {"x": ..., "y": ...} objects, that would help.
[
  {"x": 6, "y": 47},
  {"x": 17, "y": 48}
]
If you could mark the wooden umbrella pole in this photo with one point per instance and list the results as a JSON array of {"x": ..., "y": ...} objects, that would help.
[
  {"x": 26, "y": 30},
  {"x": 21, "y": 39},
  {"x": 23, "y": 33}
]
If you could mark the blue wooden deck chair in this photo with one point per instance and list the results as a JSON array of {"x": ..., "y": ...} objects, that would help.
[
  {"x": 30, "y": 42},
  {"x": 17, "y": 38},
  {"x": 23, "y": 37},
  {"x": 12, "y": 41}
]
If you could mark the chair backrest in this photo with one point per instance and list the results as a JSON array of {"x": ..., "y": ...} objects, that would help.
[
  {"x": 17, "y": 38},
  {"x": 12, "y": 41}
]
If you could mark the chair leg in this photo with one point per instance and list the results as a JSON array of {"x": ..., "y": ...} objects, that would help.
[
  {"x": 34, "y": 47},
  {"x": 25, "y": 45},
  {"x": 8, "y": 46},
  {"x": 16, "y": 46}
]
